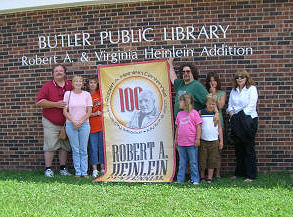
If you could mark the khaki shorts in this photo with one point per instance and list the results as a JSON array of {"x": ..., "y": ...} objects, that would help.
[
  {"x": 209, "y": 155},
  {"x": 51, "y": 137}
]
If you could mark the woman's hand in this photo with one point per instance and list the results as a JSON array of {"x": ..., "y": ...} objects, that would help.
[
  {"x": 231, "y": 113},
  {"x": 197, "y": 142},
  {"x": 76, "y": 124},
  {"x": 97, "y": 113},
  {"x": 213, "y": 90}
]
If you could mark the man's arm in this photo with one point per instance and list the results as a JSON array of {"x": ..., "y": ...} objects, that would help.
[
  {"x": 44, "y": 103},
  {"x": 173, "y": 75}
]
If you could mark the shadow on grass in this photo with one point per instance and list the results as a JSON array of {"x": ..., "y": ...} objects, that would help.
[
  {"x": 282, "y": 179},
  {"x": 268, "y": 181}
]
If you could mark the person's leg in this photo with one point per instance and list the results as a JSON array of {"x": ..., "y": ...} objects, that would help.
[
  {"x": 250, "y": 160},
  {"x": 182, "y": 163},
  {"x": 50, "y": 141},
  {"x": 49, "y": 156},
  {"x": 239, "y": 153},
  {"x": 192, "y": 153},
  {"x": 213, "y": 158},
  {"x": 62, "y": 157},
  {"x": 218, "y": 173},
  {"x": 250, "y": 156},
  {"x": 51, "y": 144},
  {"x": 101, "y": 150},
  {"x": 93, "y": 150},
  {"x": 202, "y": 175},
  {"x": 218, "y": 167},
  {"x": 74, "y": 142},
  {"x": 202, "y": 159},
  {"x": 210, "y": 175},
  {"x": 62, "y": 160},
  {"x": 84, "y": 132},
  {"x": 197, "y": 178}
]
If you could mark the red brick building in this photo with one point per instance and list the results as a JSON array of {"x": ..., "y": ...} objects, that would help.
[{"x": 220, "y": 36}]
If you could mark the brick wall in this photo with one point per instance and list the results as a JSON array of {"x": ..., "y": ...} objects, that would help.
[{"x": 265, "y": 26}]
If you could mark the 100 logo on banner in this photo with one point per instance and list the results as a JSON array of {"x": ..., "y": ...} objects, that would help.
[{"x": 129, "y": 98}]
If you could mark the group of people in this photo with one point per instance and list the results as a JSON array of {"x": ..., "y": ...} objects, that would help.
[
  {"x": 200, "y": 126},
  {"x": 64, "y": 103},
  {"x": 197, "y": 114}
]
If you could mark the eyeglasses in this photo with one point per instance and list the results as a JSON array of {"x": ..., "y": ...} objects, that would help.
[
  {"x": 188, "y": 71},
  {"x": 240, "y": 77}
]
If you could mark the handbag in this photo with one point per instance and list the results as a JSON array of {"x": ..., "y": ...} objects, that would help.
[{"x": 62, "y": 132}]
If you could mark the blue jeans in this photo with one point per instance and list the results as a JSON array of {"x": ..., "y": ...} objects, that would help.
[
  {"x": 96, "y": 148},
  {"x": 188, "y": 153},
  {"x": 78, "y": 139}
]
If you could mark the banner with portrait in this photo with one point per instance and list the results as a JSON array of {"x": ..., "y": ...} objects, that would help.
[{"x": 138, "y": 122}]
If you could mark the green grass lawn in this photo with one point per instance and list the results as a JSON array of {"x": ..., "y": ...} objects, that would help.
[{"x": 25, "y": 193}]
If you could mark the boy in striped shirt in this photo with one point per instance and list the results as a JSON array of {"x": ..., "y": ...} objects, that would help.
[{"x": 211, "y": 139}]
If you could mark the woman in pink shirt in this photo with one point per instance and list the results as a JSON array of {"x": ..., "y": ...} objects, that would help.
[
  {"x": 187, "y": 138},
  {"x": 77, "y": 113}
]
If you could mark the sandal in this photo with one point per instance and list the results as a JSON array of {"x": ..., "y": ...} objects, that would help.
[
  {"x": 209, "y": 181},
  {"x": 218, "y": 177},
  {"x": 203, "y": 179}
]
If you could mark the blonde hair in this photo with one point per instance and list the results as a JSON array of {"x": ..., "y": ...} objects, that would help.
[
  {"x": 188, "y": 101},
  {"x": 212, "y": 97},
  {"x": 249, "y": 80},
  {"x": 77, "y": 77}
]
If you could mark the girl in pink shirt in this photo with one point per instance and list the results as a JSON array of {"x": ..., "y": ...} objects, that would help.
[{"x": 187, "y": 138}]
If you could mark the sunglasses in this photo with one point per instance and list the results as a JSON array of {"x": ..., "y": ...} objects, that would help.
[
  {"x": 240, "y": 77},
  {"x": 188, "y": 71}
]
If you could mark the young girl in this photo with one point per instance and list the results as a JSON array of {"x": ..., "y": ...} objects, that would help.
[
  {"x": 96, "y": 147},
  {"x": 187, "y": 138}
]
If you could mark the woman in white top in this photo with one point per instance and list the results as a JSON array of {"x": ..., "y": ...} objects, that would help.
[{"x": 243, "y": 120}]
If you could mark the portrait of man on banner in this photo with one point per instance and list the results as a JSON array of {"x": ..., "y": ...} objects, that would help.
[{"x": 148, "y": 111}]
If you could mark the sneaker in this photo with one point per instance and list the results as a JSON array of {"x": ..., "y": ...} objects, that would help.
[
  {"x": 195, "y": 183},
  {"x": 218, "y": 178},
  {"x": 49, "y": 173},
  {"x": 102, "y": 171},
  {"x": 95, "y": 173},
  {"x": 64, "y": 172},
  {"x": 248, "y": 180}
]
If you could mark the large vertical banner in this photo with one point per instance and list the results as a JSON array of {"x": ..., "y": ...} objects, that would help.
[{"x": 138, "y": 126}]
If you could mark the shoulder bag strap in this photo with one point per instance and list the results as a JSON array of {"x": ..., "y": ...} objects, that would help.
[{"x": 68, "y": 101}]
